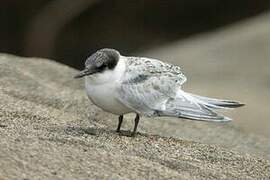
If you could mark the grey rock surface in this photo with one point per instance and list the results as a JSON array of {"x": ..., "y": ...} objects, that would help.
[{"x": 50, "y": 130}]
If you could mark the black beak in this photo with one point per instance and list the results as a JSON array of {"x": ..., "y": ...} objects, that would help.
[{"x": 83, "y": 73}]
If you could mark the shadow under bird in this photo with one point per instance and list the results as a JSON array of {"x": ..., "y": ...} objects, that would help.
[{"x": 120, "y": 84}]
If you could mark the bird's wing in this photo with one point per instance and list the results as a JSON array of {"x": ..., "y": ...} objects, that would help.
[
  {"x": 147, "y": 83},
  {"x": 153, "y": 88}
]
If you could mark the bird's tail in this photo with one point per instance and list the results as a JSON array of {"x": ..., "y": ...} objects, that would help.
[{"x": 194, "y": 107}]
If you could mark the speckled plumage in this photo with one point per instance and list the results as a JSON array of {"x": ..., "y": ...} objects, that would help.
[
  {"x": 137, "y": 66},
  {"x": 148, "y": 83}
]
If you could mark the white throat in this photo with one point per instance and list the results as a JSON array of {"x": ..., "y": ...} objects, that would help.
[{"x": 102, "y": 88}]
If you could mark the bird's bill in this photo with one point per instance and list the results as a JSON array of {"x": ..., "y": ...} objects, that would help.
[{"x": 83, "y": 73}]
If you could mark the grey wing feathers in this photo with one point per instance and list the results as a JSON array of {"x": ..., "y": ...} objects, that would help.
[
  {"x": 147, "y": 84},
  {"x": 152, "y": 67},
  {"x": 153, "y": 88},
  {"x": 143, "y": 96},
  {"x": 187, "y": 106},
  {"x": 217, "y": 103}
]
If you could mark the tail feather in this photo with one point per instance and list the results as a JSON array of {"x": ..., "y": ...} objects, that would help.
[
  {"x": 195, "y": 107},
  {"x": 199, "y": 113}
]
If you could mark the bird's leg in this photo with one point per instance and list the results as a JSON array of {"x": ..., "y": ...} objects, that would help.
[
  {"x": 119, "y": 123},
  {"x": 137, "y": 119}
]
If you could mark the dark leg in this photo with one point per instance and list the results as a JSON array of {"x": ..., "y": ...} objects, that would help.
[
  {"x": 119, "y": 123},
  {"x": 137, "y": 119}
]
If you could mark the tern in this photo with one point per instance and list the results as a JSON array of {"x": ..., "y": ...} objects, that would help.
[{"x": 121, "y": 84}]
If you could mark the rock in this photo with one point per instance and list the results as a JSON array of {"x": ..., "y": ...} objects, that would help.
[{"x": 50, "y": 130}]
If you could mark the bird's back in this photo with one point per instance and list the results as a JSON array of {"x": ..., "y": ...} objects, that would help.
[{"x": 139, "y": 68}]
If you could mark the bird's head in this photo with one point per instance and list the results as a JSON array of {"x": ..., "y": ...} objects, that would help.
[{"x": 100, "y": 61}]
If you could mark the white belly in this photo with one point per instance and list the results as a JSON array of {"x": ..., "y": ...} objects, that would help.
[{"x": 104, "y": 96}]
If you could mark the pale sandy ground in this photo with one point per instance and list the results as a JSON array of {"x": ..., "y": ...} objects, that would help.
[
  {"x": 234, "y": 63},
  {"x": 50, "y": 130}
]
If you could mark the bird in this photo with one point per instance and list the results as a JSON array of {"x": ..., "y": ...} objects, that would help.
[{"x": 147, "y": 87}]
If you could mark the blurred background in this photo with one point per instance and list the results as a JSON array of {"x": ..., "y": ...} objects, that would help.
[{"x": 222, "y": 45}]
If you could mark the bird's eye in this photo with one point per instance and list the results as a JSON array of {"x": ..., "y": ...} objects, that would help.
[{"x": 101, "y": 67}]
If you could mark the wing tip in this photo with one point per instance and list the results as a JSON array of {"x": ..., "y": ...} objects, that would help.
[{"x": 232, "y": 104}]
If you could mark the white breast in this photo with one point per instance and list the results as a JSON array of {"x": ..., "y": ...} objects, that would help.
[{"x": 101, "y": 88}]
